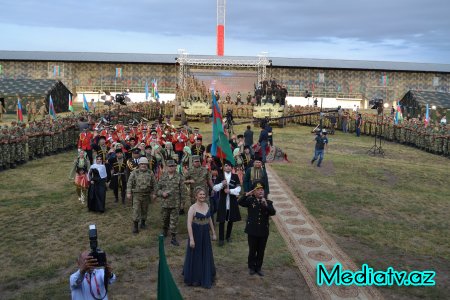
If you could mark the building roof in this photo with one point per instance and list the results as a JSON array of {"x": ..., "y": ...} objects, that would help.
[
  {"x": 440, "y": 99},
  {"x": 26, "y": 87},
  {"x": 170, "y": 59}
]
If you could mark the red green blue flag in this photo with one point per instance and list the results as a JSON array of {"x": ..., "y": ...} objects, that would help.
[
  {"x": 19, "y": 111},
  {"x": 220, "y": 145}
]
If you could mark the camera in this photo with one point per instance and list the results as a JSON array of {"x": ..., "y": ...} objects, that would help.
[
  {"x": 96, "y": 252},
  {"x": 377, "y": 104}
]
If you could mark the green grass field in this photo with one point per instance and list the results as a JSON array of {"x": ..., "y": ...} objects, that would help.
[{"x": 391, "y": 211}]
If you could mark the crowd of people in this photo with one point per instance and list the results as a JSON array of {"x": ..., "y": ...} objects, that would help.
[{"x": 157, "y": 161}]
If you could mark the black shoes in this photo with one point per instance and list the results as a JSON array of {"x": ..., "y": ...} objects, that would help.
[
  {"x": 143, "y": 226},
  {"x": 251, "y": 271},
  {"x": 174, "y": 241},
  {"x": 221, "y": 243},
  {"x": 135, "y": 227},
  {"x": 312, "y": 161},
  {"x": 228, "y": 240},
  {"x": 260, "y": 273}
]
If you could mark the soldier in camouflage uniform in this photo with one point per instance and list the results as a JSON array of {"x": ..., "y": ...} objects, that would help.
[
  {"x": 13, "y": 145},
  {"x": 39, "y": 140},
  {"x": 2, "y": 151},
  {"x": 171, "y": 191},
  {"x": 48, "y": 133},
  {"x": 197, "y": 176},
  {"x": 446, "y": 134},
  {"x": 141, "y": 184},
  {"x": 6, "y": 155}
]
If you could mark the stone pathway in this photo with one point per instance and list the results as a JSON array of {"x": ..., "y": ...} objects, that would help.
[{"x": 310, "y": 244}]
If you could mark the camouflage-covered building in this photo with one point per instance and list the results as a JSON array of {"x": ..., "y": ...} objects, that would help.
[{"x": 323, "y": 77}]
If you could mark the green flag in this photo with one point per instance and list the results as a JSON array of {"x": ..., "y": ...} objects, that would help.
[{"x": 167, "y": 288}]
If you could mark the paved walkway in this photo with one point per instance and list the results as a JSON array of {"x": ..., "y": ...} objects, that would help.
[{"x": 310, "y": 244}]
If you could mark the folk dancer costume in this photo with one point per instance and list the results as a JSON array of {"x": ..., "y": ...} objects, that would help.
[
  {"x": 228, "y": 210},
  {"x": 79, "y": 171},
  {"x": 118, "y": 175},
  {"x": 97, "y": 190},
  {"x": 239, "y": 167}
]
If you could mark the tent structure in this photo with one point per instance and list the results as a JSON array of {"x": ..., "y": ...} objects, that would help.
[
  {"x": 34, "y": 89},
  {"x": 415, "y": 102}
]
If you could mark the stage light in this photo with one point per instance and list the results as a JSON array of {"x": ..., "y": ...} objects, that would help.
[
  {"x": 433, "y": 107},
  {"x": 386, "y": 105}
]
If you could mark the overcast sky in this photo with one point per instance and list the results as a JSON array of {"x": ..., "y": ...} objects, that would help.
[{"x": 393, "y": 30}]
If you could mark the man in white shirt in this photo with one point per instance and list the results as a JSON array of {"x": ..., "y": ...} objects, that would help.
[{"x": 90, "y": 282}]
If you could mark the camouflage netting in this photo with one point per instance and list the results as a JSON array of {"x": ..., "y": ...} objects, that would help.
[{"x": 34, "y": 89}]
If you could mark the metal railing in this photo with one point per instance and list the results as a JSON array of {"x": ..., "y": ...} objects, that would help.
[{"x": 120, "y": 88}]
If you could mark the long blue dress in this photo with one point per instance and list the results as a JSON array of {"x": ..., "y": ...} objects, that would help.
[{"x": 199, "y": 268}]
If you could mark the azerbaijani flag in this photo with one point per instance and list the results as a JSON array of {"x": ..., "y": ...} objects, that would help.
[
  {"x": 398, "y": 115},
  {"x": 85, "y": 103},
  {"x": 51, "y": 108},
  {"x": 19, "y": 111},
  {"x": 156, "y": 90},
  {"x": 220, "y": 145},
  {"x": 427, "y": 116},
  {"x": 146, "y": 90},
  {"x": 70, "y": 103}
]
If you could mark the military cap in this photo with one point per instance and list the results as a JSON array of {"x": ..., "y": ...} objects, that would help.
[
  {"x": 136, "y": 151},
  {"x": 258, "y": 185},
  {"x": 102, "y": 137},
  {"x": 143, "y": 160},
  {"x": 171, "y": 162},
  {"x": 118, "y": 150},
  {"x": 195, "y": 157}
]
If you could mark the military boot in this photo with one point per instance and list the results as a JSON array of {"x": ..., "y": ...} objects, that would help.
[
  {"x": 135, "y": 227},
  {"x": 174, "y": 241},
  {"x": 143, "y": 226}
]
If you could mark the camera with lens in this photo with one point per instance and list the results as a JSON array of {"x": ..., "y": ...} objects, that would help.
[
  {"x": 96, "y": 252},
  {"x": 377, "y": 104}
]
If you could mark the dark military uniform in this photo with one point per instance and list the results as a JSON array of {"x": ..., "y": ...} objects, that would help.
[{"x": 257, "y": 229}]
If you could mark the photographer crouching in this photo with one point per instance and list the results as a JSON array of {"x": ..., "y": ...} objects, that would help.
[{"x": 94, "y": 275}]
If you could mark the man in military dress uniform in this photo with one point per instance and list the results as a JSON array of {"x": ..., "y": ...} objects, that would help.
[
  {"x": 141, "y": 184},
  {"x": 257, "y": 226},
  {"x": 171, "y": 191}
]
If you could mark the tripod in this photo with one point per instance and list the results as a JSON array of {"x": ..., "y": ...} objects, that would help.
[{"x": 376, "y": 148}]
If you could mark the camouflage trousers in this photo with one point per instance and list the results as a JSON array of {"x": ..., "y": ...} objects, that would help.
[
  {"x": 48, "y": 148},
  {"x": 169, "y": 218},
  {"x": 32, "y": 147},
  {"x": 140, "y": 206},
  {"x": 6, "y": 154},
  {"x": 445, "y": 147}
]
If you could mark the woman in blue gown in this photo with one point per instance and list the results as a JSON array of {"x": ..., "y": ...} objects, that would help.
[{"x": 199, "y": 268}]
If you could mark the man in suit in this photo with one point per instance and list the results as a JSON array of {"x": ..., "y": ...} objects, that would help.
[
  {"x": 228, "y": 186},
  {"x": 257, "y": 227}
]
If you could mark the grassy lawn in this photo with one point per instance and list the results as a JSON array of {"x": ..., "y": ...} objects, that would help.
[{"x": 391, "y": 211}]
